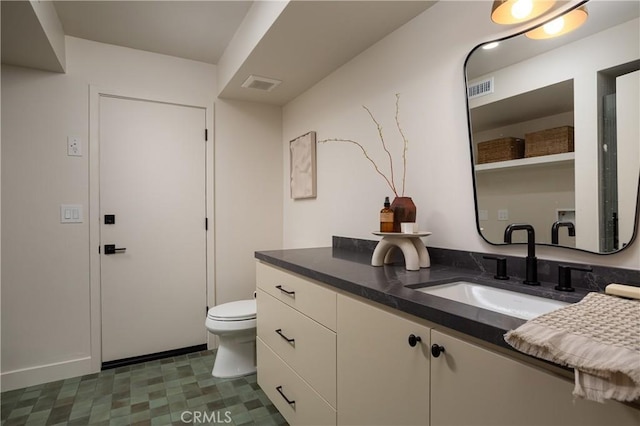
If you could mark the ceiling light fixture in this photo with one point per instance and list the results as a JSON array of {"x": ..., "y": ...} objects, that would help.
[
  {"x": 508, "y": 12},
  {"x": 561, "y": 25}
]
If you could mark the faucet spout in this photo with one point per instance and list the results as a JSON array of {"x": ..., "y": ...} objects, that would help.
[
  {"x": 556, "y": 227},
  {"x": 531, "y": 260}
]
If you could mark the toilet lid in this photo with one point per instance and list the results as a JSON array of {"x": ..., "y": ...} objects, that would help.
[{"x": 234, "y": 311}]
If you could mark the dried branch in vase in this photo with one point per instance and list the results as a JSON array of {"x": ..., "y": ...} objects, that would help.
[{"x": 388, "y": 178}]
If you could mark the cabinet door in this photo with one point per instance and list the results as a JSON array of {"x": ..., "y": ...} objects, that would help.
[
  {"x": 471, "y": 385},
  {"x": 382, "y": 380}
]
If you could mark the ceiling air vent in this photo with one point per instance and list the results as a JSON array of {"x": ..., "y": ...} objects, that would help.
[
  {"x": 480, "y": 88},
  {"x": 261, "y": 83}
]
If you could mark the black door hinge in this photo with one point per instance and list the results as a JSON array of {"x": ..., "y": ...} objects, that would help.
[
  {"x": 206, "y": 223},
  {"x": 206, "y": 134}
]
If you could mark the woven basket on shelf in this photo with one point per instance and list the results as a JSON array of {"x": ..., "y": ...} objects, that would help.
[
  {"x": 550, "y": 141},
  {"x": 502, "y": 149}
]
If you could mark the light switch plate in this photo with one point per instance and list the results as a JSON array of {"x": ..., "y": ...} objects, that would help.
[
  {"x": 74, "y": 146},
  {"x": 70, "y": 213},
  {"x": 503, "y": 214}
]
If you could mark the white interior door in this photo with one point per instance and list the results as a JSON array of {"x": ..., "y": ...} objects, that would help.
[
  {"x": 152, "y": 179},
  {"x": 628, "y": 111}
]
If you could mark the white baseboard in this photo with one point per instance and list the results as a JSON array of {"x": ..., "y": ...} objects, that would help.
[{"x": 31, "y": 376}]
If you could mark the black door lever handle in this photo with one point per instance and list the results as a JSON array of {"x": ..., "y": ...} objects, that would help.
[{"x": 112, "y": 249}]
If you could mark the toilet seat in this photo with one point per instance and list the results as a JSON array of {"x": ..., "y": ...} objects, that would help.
[{"x": 240, "y": 310}]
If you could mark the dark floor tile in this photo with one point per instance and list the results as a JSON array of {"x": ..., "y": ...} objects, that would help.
[
  {"x": 216, "y": 405},
  {"x": 155, "y": 380},
  {"x": 119, "y": 403},
  {"x": 64, "y": 401},
  {"x": 141, "y": 406},
  {"x": 16, "y": 421},
  {"x": 24, "y": 403},
  {"x": 254, "y": 403},
  {"x": 232, "y": 400},
  {"x": 157, "y": 394},
  {"x": 59, "y": 415}
]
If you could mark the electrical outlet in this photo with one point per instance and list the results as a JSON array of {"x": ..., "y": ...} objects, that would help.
[
  {"x": 503, "y": 214},
  {"x": 74, "y": 148}
]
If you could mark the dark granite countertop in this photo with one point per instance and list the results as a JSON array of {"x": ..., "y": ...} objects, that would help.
[{"x": 391, "y": 285}]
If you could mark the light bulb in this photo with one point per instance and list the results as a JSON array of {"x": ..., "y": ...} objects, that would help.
[
  {"x": 554, "y": 27},
  {"x": 521, "y": 9},
  {"x": 492, "y": 45}
]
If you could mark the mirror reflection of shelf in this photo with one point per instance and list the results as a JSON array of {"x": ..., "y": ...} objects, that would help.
[{"x": 544, "y": 160}]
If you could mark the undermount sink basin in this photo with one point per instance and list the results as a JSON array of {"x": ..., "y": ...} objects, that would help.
[{"x": 505, "y": 302}]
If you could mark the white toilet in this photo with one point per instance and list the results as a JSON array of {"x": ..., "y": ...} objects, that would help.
[{"x": 235, "y": 325}]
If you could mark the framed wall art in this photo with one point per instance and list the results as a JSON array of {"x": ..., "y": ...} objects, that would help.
[{"x": 302, "y": 154}]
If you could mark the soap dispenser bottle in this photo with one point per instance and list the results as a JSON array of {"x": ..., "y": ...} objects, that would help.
[{"x": 386, "y": 217}]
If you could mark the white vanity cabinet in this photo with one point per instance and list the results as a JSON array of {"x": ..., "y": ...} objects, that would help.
[
  {"x": 296, "y": 346},
  {"x": 382, "y": 379},
  {"x": 471, "y": 385},
  {"x": 355, "y": 362}
]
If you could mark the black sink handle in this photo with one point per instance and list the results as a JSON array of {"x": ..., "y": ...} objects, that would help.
[{"x": 501, "y": 267}]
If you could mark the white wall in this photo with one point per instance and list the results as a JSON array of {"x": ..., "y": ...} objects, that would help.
[
  {"x": 48, "y": 323},
  {"x": 248, "y": 211},
  {"x": 423, "y": 61}
]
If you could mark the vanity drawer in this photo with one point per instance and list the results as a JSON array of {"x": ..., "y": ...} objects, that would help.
[
  {"x": 274, "y": 376},
  {"x": 311, "y": 354},
  {"x": 313, "y": 300}
]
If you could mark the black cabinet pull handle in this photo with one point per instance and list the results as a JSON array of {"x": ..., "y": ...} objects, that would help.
[
  {"x": 279, "y": 331},
  {"x": 290, "y": 402},
  {"x": 413, "y": 340},
  {"x": 436, "y": 350},
  {"x": 290, "y": 293}
]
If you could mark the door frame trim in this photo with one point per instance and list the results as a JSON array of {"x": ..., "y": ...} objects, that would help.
[{"x": 93, "y": 215}]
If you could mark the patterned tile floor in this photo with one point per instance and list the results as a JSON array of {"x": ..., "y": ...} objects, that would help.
[{"x": 171, "y": 391}]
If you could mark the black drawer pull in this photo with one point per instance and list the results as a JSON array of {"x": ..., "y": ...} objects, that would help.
[
  {"x": 279, "y": 331},
  {"x": 279, "y": 389},
  {"x": 287, "y": 292}
]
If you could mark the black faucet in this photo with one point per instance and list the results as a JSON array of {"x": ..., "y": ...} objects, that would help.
[
  {"x": 532, "y": 262},
  {"x": 556, "y": 226}
]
